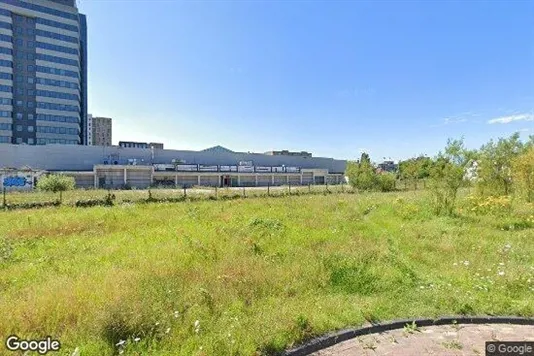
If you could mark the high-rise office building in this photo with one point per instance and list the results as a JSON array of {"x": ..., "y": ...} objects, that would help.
[{"x": 43, "y": 72}]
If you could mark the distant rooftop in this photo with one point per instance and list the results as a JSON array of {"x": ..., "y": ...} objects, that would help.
[
  {"x": 289, "y": 153},
  {"x": 218, "y": 149}
]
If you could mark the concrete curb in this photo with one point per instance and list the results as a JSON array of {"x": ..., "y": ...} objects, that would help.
[{"x": 328, "y": 340}]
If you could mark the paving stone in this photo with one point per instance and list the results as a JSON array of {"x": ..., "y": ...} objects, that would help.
[{"x": 443, "y": 340}]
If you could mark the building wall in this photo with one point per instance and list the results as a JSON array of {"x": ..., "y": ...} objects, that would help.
[
  {"x": 83, "y": 158},
  {"x": 42, "y": 57},
  {"x": 89, "y": 130},
  {"x": 102, "y": 131}
]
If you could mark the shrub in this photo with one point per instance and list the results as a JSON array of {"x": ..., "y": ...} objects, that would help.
[
  {"x": 499, "y": 205},
  {"x": 93, "y": 202},
  {"x": 56, "y": 183},
  {"x": 386, "y": 182},
  {"x": 523, "y": 174},
  {"x": 447, "y": 176},
  {"x": 35, "y": 205},
  {"x": 494, "y": 171}
]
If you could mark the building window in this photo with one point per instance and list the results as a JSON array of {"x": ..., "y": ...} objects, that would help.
[
  {"x": 31, "y": 68},
  {"x": 31, "y": 80},
  {"x": 31, "y": 92},
  {"x": 19, "y": 128},
  {"x": 19, "y": 115},
  {"x": 20, "y": 91},
  {"x": 19, "y": 78},
  {"x": 30, "y": 128},
  {"x": 19, "y": 42},
  {"x": 31, "y": 44},
  {"x": 31, "y": 141},
  {"x": 19, "y": 103},
  {"x": 19, "y": 140}
]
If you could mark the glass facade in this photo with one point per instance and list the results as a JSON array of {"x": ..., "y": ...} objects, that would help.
[{"x": 43, "y": 96}]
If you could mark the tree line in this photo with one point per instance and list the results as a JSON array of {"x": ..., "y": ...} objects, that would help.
[{"x": 504, "y": 167}]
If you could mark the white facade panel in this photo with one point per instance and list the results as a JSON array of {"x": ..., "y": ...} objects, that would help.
[
  {"x": 56, "y": 42},
  {"x": 32, "y": 13},
  {"x": 40, "y": 62},
  {"x": 57, "y": 89},
  {"x": 57, "y": 54}
]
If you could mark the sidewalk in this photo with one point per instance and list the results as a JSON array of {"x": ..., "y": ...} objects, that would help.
[{"x": 461, "y": 339}]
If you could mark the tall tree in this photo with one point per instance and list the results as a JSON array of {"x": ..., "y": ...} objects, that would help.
[{"x": 495, "y": 165}]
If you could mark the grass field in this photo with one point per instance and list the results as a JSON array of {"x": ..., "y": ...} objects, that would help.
[
  {"x": 70, "y": 197},
  {"x": 255, "y": 275}
]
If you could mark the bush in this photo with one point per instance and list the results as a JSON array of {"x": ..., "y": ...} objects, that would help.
[
  {"x": 386, "y": 182},
  {"x": 56, "y": 183},
  {"x": 523, "y": 174},
  {"x": 499, "y": 205},
  {"x": 36, "y": 205},
  {"x": 447, "y": 176},
  {"x": 93, "y": 202}
]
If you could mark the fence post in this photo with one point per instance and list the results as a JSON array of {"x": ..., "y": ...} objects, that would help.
[
  {"x": 289, "y": 187},
  {"x": 216, "y": 193},
  {"x": 342, "y": 187},
  {"x": 4, "y": 205},
  {"x": 309, "y": 187},
  {"x": 268, "y": 189},
  {"x": 185, "y": 191},
  {"x": 244, "y": 193},
  {"x": 326, "y": 186}
]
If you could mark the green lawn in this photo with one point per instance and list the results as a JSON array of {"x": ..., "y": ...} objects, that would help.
[{"x": 258, "y": 274}]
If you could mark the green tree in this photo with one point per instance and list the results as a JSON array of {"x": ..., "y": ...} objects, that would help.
[
  {"x": 363, "y": 176},
  {"x": 386, "y": 181},
  {"x": 409, "y": 171},
  {"x": 494, "y": 173},
  {"x": 56, "y": 183},
  {"x": 446, "y": 176},
  {"x": 523, "y": 173}
]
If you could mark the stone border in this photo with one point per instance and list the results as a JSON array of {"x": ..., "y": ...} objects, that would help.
[{"x": 323, "y": 342}]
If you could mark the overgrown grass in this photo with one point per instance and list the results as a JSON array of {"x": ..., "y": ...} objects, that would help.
[
  {"x": 249, "y": 276},
  {"x": 194, "y": 193}
]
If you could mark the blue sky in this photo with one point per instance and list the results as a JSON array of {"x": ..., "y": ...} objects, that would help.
[{"x": 394, "y": 78}]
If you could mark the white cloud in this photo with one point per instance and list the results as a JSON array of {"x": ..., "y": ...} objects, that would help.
[
  {"x": 512, "y": 118},
  {"x": 456, "y": 119},
  {"x": 453, "y": 120}
]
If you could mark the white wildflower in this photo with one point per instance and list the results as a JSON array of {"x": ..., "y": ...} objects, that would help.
[
  {"x": 501, "y": 273},
  {"x": 137, "y": 339},
  {"x": 120, "y": 343}
]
